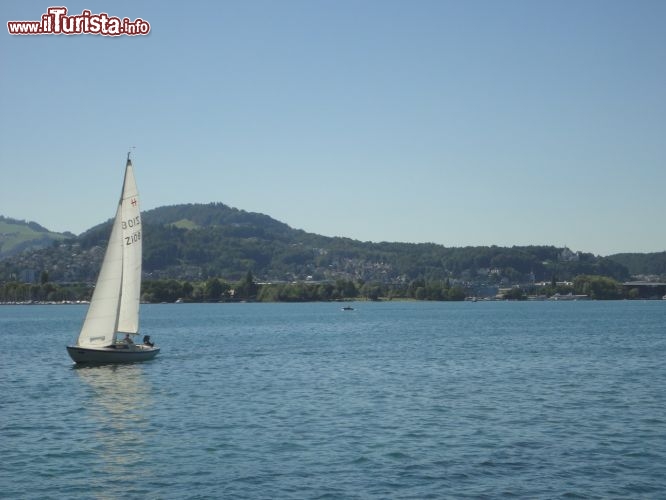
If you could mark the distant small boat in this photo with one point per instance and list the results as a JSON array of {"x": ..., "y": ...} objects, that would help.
[
  {"x": 114, "y": 307},
  {"x": 569, "y": 296},
  {"x": 348, "y": 308}
]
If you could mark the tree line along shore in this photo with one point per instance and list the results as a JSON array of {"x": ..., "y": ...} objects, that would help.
[{"x": 247, "y": 289}]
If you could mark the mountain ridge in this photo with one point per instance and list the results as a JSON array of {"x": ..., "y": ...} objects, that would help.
[
  {"x": 197, "y": 241},
  {"x": 17, "y": 236}
]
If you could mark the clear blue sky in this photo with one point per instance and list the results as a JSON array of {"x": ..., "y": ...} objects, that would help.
[{"x": 456, "y": 122}]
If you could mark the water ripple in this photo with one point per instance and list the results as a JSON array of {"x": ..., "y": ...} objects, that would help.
[{"x": 399, "y": 400}]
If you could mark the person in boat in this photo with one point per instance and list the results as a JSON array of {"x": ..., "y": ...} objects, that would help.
[
  {"x": 128, "y": 339},
  {"x": 146, "y": 341}
]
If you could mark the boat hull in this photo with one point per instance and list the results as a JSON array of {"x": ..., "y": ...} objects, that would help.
[{"x": 104, "y": 355}]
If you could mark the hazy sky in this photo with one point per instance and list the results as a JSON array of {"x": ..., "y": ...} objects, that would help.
[{"x": 456, "y": 122}]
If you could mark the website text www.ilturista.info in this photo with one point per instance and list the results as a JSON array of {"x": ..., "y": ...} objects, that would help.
[{"x": 56, "y": 22}]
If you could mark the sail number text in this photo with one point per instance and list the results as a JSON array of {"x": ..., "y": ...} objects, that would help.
[{"x": 132, "y": 224}]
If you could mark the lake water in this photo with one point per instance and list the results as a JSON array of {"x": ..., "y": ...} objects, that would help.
[{"x": 304, "y": 401}]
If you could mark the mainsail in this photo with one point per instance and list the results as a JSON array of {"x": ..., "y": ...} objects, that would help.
[{"x": 114, "y": 306}]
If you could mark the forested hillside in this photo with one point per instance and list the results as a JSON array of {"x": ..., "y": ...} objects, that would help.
[
  {"x": 642, "y": 264},
  {"x": 197, "y": 242}
]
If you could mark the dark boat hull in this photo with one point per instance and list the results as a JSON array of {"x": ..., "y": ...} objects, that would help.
[{"x": 103, "y": 355}]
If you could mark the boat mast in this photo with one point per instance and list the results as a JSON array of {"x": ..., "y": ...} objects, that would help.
[{"x": 122, "y": 274}]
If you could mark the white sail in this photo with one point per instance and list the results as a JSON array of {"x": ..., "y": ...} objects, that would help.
[
  {"x": 99, "y": 326},
  {"x": 115, "y": 302},
  {"x": 128, "y": 316}
]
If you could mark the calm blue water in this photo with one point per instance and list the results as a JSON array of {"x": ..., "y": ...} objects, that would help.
[{"x": 392, "y": 400}]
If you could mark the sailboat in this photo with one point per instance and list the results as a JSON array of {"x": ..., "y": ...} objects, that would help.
[{"x": 112, "y": 319}]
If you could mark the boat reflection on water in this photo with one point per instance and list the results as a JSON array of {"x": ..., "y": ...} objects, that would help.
[{"x": 118, "y": 414}]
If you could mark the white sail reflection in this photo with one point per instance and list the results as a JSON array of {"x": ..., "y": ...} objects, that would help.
[{"x": 119, "y": 413}]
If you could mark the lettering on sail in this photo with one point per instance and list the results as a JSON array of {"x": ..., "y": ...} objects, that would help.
[{"x": 132, "y": 224}]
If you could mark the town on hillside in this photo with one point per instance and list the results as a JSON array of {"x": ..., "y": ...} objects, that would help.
[{"x": 215, "y": 253}]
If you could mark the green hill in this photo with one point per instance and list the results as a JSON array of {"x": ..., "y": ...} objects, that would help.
[
  {"x": 197, "y": 241},
  {"x": 17, "y": 236},
  {"x": 642, "y": 264}
]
